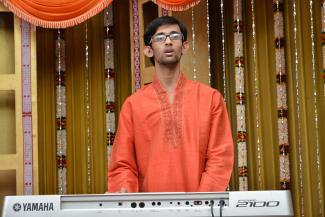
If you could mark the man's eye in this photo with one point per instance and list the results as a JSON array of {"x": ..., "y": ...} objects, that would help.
[
  {"x": 174, "y": 36},
  {"x": 160, "y": 37}
]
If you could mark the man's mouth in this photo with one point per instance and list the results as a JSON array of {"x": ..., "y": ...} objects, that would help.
[{"x": 168, "y": 51}]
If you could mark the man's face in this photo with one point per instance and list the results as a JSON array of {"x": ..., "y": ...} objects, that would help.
[{"x": 169, "y": 51}]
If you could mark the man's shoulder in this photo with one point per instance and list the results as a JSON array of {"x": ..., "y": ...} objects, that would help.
[
  {"x": 140, "y": 94},
  {"x": 202, "y": 88}
]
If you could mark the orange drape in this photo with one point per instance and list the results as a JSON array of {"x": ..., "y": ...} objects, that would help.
[
  {"x": 66, "y": 13},
  {"x": 56, "y": 13},
  {"x": 176, "y": 5}
]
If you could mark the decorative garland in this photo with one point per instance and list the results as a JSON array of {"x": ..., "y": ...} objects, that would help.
[
  {"x": 61, "y": 133},
  {"x": 282, "y": 105},
  {"x": 240, "y": 96},
  {"x": 109, "y": 78}
]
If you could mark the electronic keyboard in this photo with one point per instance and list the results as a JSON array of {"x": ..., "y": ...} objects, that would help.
[{"x": 233, "y": 203}]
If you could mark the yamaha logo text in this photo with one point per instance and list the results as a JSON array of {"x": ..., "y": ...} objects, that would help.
[
  {"x": 33, "y": 207},
  {"x": 257, "y": 203}
]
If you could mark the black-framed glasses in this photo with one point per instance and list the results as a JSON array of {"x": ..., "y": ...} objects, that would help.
[{"x": 161, "y": 37}]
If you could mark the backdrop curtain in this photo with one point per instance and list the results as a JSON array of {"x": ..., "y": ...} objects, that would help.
[
  {"x": 306, "y": 129},
  {"x": 76, "y": 103}
]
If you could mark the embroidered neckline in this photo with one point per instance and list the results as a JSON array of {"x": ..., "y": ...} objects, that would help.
[
  {"x": 159, "y": 87},
  {"x": 172, "y": 114}
]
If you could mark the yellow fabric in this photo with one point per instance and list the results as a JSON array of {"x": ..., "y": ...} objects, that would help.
[
  {"x": 307, "y": 173},
  {"x": 75, "y": 90},
  {"x": 76, "y": 108}
]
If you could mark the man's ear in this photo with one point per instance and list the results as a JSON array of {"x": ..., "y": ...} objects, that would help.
[
  {"x": 185, "y": 47},
  {"x": 147, "y": 50}
]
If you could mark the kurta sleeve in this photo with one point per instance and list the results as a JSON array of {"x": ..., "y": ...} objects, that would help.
[
  {"x": 122, "y": 171},
  {"x": 220, "y": 151}
]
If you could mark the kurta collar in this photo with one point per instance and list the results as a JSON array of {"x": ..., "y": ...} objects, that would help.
[{"x": 161, "y": 89}]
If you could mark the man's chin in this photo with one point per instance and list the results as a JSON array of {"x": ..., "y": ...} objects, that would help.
[{"x": 169, "y": 62}]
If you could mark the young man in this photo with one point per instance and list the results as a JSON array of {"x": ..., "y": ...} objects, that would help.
[{"x": 173, "y": 134}]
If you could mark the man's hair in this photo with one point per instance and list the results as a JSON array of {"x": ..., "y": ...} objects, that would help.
[{"x": 160, "y": 21}]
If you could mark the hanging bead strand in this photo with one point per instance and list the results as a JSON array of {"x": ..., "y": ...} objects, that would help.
[
  {"x": 193, "y": 46},
  {"x": 240, "y": 96},
  {"x": 208, "y": 34},
  {"x": 312, "y": 37},
  {"x": 109, "y": 78},
  {"x": 257, "y": 95},
  {"x": 88, "y": 110},
  {"x": 224, "y": 78},
  {"x": 61, "y": 133},
  {"x": 323, "y": 41},
  {"x": 297, "y": 86}
]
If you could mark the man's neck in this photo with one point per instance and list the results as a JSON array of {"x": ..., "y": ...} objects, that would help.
[{"x": 168, "y": 77}]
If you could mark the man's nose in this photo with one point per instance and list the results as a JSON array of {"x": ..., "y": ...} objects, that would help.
[{"x": 168, "y": 41}]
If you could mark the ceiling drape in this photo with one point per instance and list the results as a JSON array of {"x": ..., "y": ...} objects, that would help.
[
  {"x": 176, "y": 5},
  {"x": 56, "y": 13},
  {"x": 66, "y": 13}
]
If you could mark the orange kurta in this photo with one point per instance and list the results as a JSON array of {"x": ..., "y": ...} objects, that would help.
[{"x": 161, "y": 147}]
